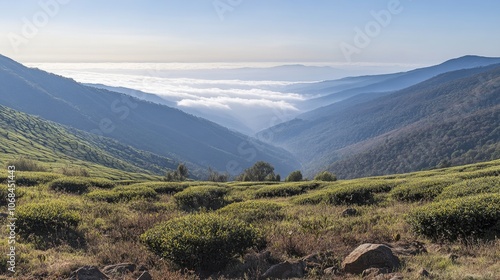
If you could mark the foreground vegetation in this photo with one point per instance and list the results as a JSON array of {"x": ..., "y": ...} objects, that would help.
[{"x": 227, "y": 230}]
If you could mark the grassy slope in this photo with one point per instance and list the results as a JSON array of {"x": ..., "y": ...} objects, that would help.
[
  {"x": 57, "y": 146},
  {"x": 111, "y": 230}
]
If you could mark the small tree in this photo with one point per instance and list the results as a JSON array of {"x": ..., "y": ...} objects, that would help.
[
  {"x": 178, "y": 175},
  {"x": 215, "y": 176},
  {"x": 325, "y": 176},
  {"x": 260, "y": 171},
  {"x": 295, "y": 176}
]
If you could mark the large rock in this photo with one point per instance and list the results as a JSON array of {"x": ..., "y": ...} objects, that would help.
[
  {"x": 88, "y": 273},
  {"x": 370, "y": 256},
  {"x": 286, "y": 270}
]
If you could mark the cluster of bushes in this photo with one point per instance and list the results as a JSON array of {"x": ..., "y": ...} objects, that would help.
[
  {"x": 47, "y": 223},
  {"x": 423, "y": 189},
  {"x": 74, "y": 171},
  {"x": 201, "y": 197},
  {"x": 29, "y": 179},
  {"x": 284, "y": 190},
  {"x": 471, "y": 187},
  {"x": 26, "y": 164},
  {"x": 164, "y": 187},
  {"x": 203, "y": 242},
  {"x": 253, "y": 211},
  {"x": 259, "y": 172},
  {"x": 325, "y": 176},
  {"x": 451, "y": 219},
  {"x": 122, "y": 194},
  {"x": 79, "y": 185}
]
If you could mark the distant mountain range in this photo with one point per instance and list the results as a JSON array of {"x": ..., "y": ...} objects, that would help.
[
  {"x": 158, "y": 129},
  {"x": 448, "y": 119}
]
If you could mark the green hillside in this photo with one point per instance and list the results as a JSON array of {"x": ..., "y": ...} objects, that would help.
[
  {"x": 445, "y": 221},
  {"x": 56, "y": 146}
]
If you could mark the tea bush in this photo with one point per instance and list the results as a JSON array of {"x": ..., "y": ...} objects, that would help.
[
  {"x": 451, "y": 219},
  {"x": 471, "y": 187},
  {"x": 29, "y": 179},
  {"x": 283, "y": 190},
  {"x": 202, "y": 242},
  {"x": 337, "y": 196},
  {"x": 198, "y": 197},
  {"x": 70, "y": 185},
  {"x": 122, "y": 194},
  {"x": 48, "y": 222},
  {"x": 253, "y": 211},
  {"x": 164, "y": 187},
  {"x": 426, "y": 189}
]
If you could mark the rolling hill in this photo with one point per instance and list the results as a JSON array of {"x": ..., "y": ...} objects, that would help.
[
  {"x": 144, "y": 125},
  {"x": 23, "y": 135},
  {"x": 452, "y": 117}
]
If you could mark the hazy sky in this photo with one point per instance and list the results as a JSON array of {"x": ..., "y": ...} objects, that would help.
[{"x": 248, "y": 30}]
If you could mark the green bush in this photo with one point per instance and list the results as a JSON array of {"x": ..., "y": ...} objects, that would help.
[
  {"x": 202, "y": 242},
  {"x": 101, "y": 183},
  {"x": 325, "y": 176},
  {"x": 284, "y": 190},
  {"x": 451, "y": 219},
  {"x": 471, "y": 187},
  {"x": 337, "y": 196},
  {"x": 426, "y": 189},
  {"x": 48, "y": 222},
  {"x": 4, "y": 194},
  {"x": 29, "y": 179},
  {"x": 295, "y": 176},
  {"x": 164, "y": 187},
  {"x": 198, "y": 197},
  {"x": 26, "y": 164},
  {"x": 70, "y": 185},
  {"x": 253, "y": 211},
  {"x": 122, "y": 194}
]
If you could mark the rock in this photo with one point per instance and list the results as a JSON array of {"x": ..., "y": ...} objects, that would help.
[
  {"x": 397, "y": 277},
  {"x": 372, "y": 272},
  {"x": 88, "y": 273},
  {"x": 349, "y": 212},
  {"x": 286, "y": 270},
  {"x": 423, "y": 272},
  {"x": 329, "y": 271},
  {"x": 368, "y": 256},
  {"x": 145, "y": 276},
  {"x": 119, "y": 269}
]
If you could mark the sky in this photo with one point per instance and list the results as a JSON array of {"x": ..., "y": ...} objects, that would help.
[{"x": 285, "y": 31}]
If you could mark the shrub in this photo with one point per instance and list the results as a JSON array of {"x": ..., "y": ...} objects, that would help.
[
  {"x": 164, "y": 187},
  {"x": 417, "y": 190},
  {"x": 122, "y": 194},
  {"x": 101, "y": 183},
  {"x": 4, "y": 194},
  {"x": 74, "y": 171},
  {"x": 198, "y": 197},
  {"x": 26, "y": 164},
  {"x": 260, "y": 171},
  {"x": 203, "y": 242},
  {"x": 471, "y": 187},
  {"x": 253, "y": 211},
  {"x": 70, "y": 185},
  {"x": 295, "y": 176},
  {"x": 48, "y": 222},
  {"x": 338, "y": 196},
  {"x": 284, "y": 190},
  {"x": 464, "y": 217},
  {"x": 325, "y": 176},
  {"x": 29, "y": 179}
]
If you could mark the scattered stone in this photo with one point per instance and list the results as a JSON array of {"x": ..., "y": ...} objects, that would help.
[
  {"x": 423, "y": 272},
  {"x": 145, "y": 276},
  {"x": 329, "y": 271},
  {"x": 119, "y": 269},
  {"x": 88, "y": 273},
  {"x": 349, "y": 212},
  {"x": 286, "y": 270},
  {"x": 372, "y": 272},
  {"x": 368, "y": 256}
]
